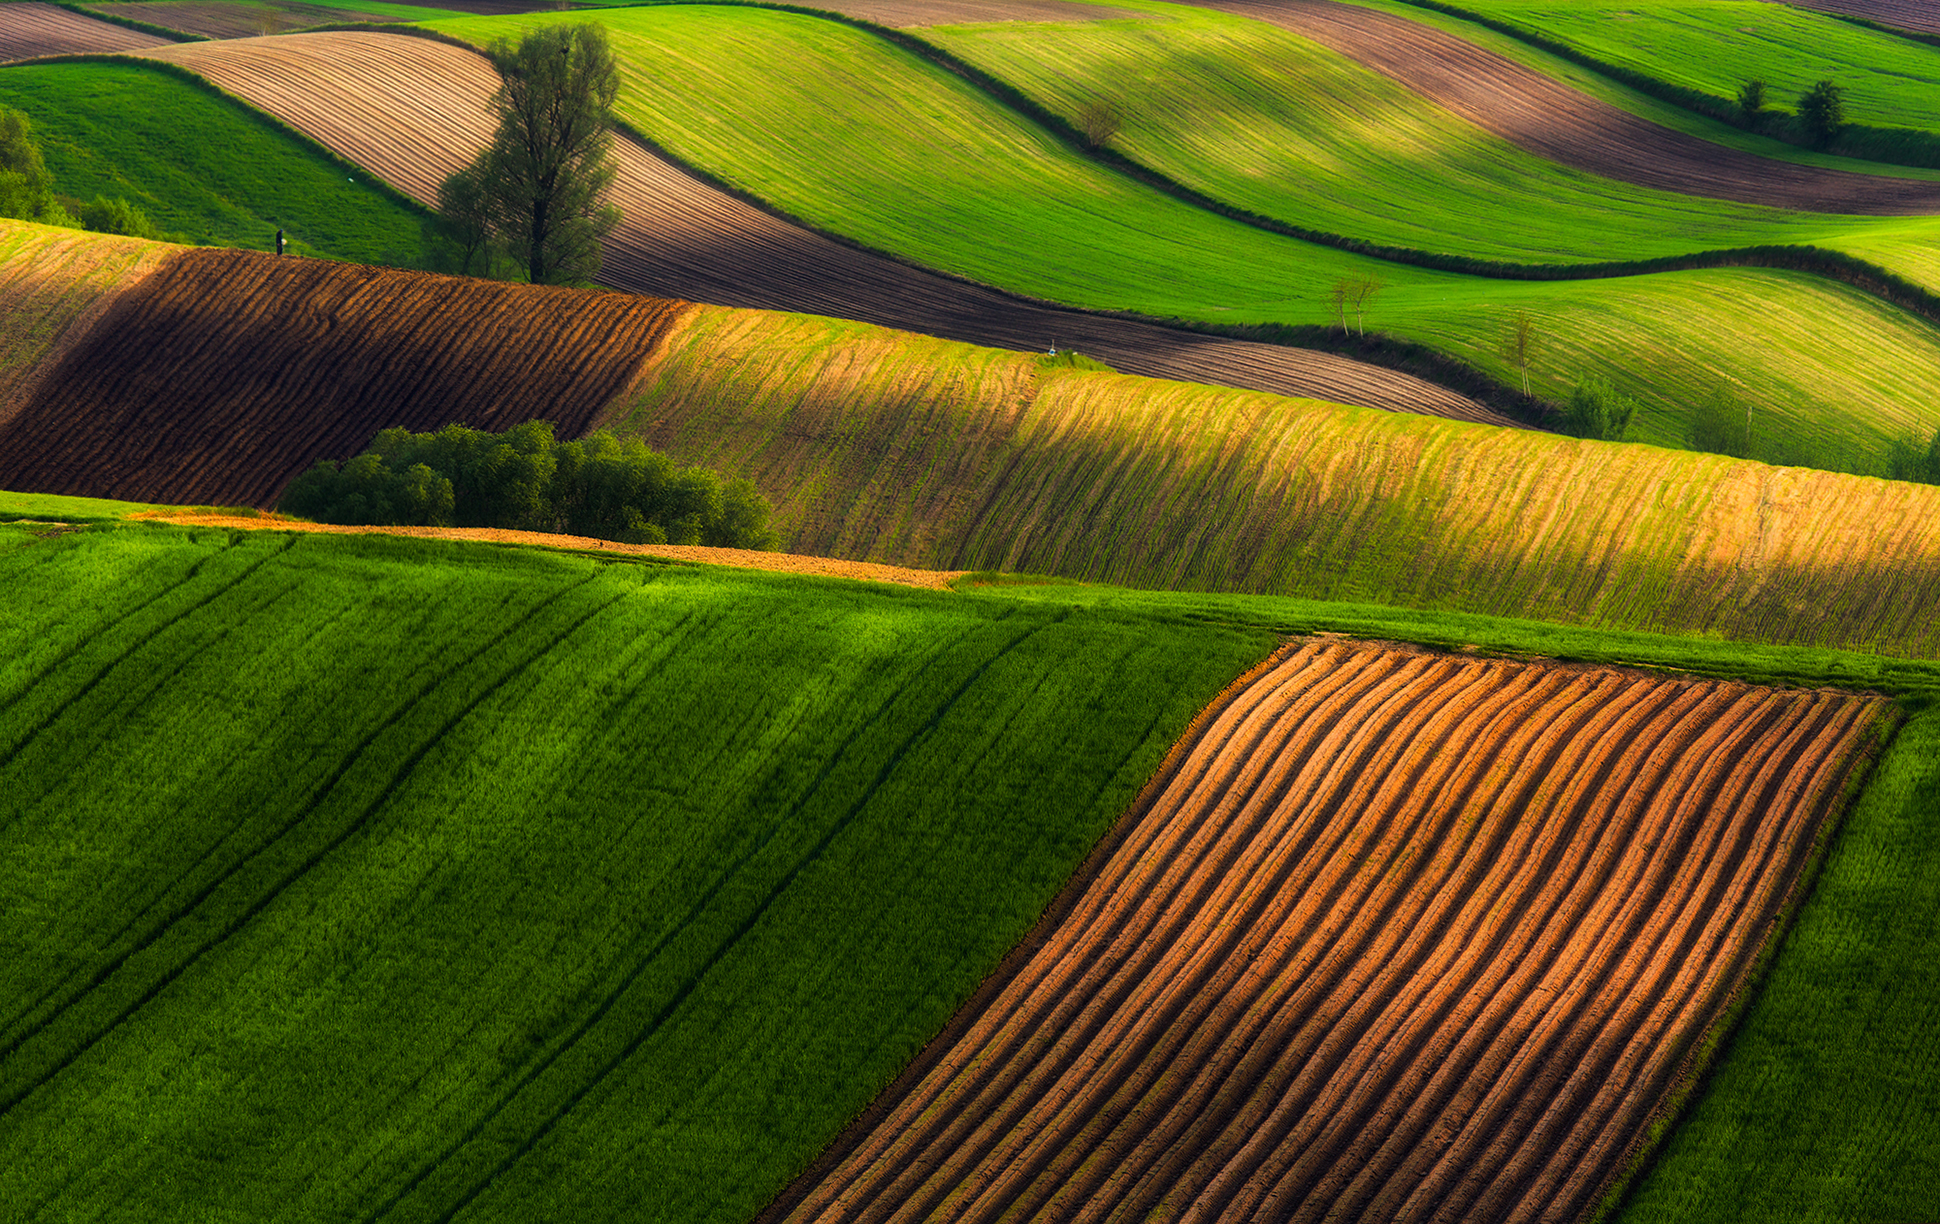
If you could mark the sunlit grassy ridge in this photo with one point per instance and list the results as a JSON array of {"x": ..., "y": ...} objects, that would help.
[
  {"x": 1715, "y": 46},
  {"x": 352, "y": 876},
  {"x": 1259, "y": 118},
  {"x": 201, "y": 166},
  {"x": 52, "y": 283},
  {"x": 948, "y": 457},
  {"x": 856, "y": 136}
]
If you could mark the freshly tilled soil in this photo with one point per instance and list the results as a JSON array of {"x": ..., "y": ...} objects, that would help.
[
  {"x": 30, "y": 30},
  {"x": 413, "y": 111},
  {"x": 1919, "y": 16},
  {"x": 1552, "y": 120},
  {"x": 1404, "y": 937}
]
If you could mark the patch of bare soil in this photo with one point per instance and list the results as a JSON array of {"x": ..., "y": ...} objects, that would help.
[
  {"x": 413, "y": 111},
  {"x": 911, "y": 14},
  {"x": 1394, "y": 936},
  {"x": 737, "y": 558},
  {"x": 221, "y": 19},
  {"x": 1552, "y": 120},
  {"x": 1920, "y": 16},
  {"x": 28, "y": 31}
]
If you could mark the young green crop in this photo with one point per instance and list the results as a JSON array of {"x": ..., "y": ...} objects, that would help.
[
  {"x": 201, "y": 167},
  {"x": 352, "y": 877},
  {"x": 925, "y": 166}
]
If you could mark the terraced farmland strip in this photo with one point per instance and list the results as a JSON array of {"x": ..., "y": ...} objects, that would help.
[
  {"x": 413, "y": 111},
  {"x": 54, "y": 284},
  {"x": 225, "y": 373},
  {"x": 1405, "y": 937},
  {"x": 229, "y": 18},
  {"x": 1916, "y": 15},
  {"x": 29, "y": 30},
  {"x": 1552, "y": 120}
]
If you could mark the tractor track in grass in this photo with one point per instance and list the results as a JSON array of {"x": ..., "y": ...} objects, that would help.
[
  {"x": 1404, "y": 936},
  {"x": 1553, "y": 120},
  {"x": 413, "y": 110}
]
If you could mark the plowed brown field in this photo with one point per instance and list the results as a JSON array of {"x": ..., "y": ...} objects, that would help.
[
  {"x": 229, "y": 18},
  {"x": 1552, "y": 120},
  {"x": 225, "y": 373},
  {"x": 413, "y": 111},
  {"x": 909, "y": 14},
  {"x": 1399, "y": 937},
  {"x": 1917, "y": 15},
  {"x": 29, "y": 30}
]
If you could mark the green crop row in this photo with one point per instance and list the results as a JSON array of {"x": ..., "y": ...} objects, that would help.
[
  {"x": 352, "y": 877},
  {"x": 201, "y": 166}
]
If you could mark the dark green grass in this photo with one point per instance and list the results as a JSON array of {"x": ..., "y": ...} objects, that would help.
[
  {"x": 203, "y": 169},
  {"x": 352, "y": 877}
]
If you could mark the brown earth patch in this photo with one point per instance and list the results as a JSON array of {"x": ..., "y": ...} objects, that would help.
[
  {"x": 28, "y": 31},
  {"x": 912, "y": 14},
  {"x": 1398, "y": 936},
  {"x": 737, "y": 558},
  {"x": 413, "y": 111},
  {"x": 217, "y": 19},
  {"x": 1920, "y": 16},
  {"x": 1552, "y": 120},
  {"x": 225, "y": 373}
]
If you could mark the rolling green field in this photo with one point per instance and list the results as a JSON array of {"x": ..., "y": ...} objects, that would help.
[
  {"x": 432, "y": 876},
  {"x": 953, "y": 180},
  {"x": 202, "y": 168},
  {"x": 1715, "y": 46}
]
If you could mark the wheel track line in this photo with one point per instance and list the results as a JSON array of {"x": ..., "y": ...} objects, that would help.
[
  {"x": 1486, "y": 1050},
  {"x": 1215, "y": 1032},
  {"x": 1415, "y": 1020},
  {"x": 1171, "y": 1152},
  {"x": 1688, "y": 955},
  {"x": 1326, "y": 1040},
  {"x": 1213, "y": 1181},
  {"x": 1106, "y": 993},
  {"x": 754, "y": 917},
  {"x": 1423, "y": 1012},
  {"x": 1104, "y": 911},
  {"x": 1145, "y": 1035},
  {"x": 276, "y": 890}
]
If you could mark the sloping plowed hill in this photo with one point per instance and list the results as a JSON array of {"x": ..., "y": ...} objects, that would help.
[
  {"x": 1401, "y": 937},
  {"x": 28, "y": 30},
  {"x": 1552, "y": 120},
  {"x": 413, "y": 111},
  {"x": 224, "y": 373}
]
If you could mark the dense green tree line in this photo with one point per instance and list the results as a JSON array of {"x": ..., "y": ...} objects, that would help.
[
  {"x": 527, "y": 480},
  {"x": 27, "y": 188}
]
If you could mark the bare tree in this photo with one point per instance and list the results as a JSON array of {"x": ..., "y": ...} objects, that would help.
[{"x": 1100, "y": 119}]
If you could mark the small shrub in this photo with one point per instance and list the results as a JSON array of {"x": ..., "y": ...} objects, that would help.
[
  {"x": 1596, "y": 409},
  {"x": 117, "y": 216},
  {"x": 1100, "y": 119},
  {"x": 1751, "y": 101},
  {"x": 1822, "y": 112},
  {"x": 1721, "y": 426},
  {"x": 1908, "y": 460}
]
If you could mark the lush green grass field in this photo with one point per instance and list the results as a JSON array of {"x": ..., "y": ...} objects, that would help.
[
  {"x": 1261, "y": 119},
  {"x": 861, "y": 138},
  {"x": 1715, "y": 46},
  {"x": 352, "y": 877},
  {"x": 202, "y": 168}
]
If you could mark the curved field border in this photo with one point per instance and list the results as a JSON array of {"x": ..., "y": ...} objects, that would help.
[
  {"x": 1400, "y": 937},
  {"x": 1552, "y": 120},
  {"x": 413, "y": 110},
  {"x": 31, "y": 30}
]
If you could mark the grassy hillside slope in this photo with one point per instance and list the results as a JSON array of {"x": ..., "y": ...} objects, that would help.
[
  {"x": 432, "y": 877},
  {"x": 955, "y": 458},
  {"x": 201, "y": 166},
  {"x": 928, "y": 168}
]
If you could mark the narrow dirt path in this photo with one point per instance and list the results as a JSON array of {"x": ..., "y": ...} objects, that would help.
[
  {"x": 1552, "y": 120},
  {"x": 413, "y": 111}
]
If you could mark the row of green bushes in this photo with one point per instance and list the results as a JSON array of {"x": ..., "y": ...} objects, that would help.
[
  {"x": 527, "y": 480},
  {"x": 27, "y": 190}
]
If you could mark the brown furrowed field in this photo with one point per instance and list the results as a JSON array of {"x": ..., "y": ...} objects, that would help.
[
  {"x": 1397, "y": 937},
  {"x": 54, "y": 284},
  {"x": 227, "y": 19},
  {"x": 943, "y": 457},
  {"x": 1919, "y": 16},
  {"x": 29, "y": 30},
  {"x": 413, "y": 111},
  {"x": 1552, "y": 120},
  {"x": 225, "y": 373}
]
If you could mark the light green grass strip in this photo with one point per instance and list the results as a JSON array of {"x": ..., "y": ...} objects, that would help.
[{"x": 54, "y": 508}]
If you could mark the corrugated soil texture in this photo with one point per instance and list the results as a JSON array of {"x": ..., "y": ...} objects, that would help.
[
  {"x": 54, "y": 283},
  {"x": 1401, "y": 937},
  {"x": 28, "y": 31},
  {"x": 229, "y": 19},
  {"x": 1919, "y": 16},
  {"x": 413, "y": 111},
  {"x": 225, "y": 373},
  {"x": 948, "y": 457}
]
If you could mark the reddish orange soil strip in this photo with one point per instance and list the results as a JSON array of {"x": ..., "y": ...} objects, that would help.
[
  {"x": 28, "y": 31},
  {"x": 413, "y": 111},
  {"x": 1405, "y": 937},
  {"x": 1921, "y": 16},
  {"x": 736, "y": 558},
  {"x": 225, "y": 373},
  {"x": 1552, "y": 120}
]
